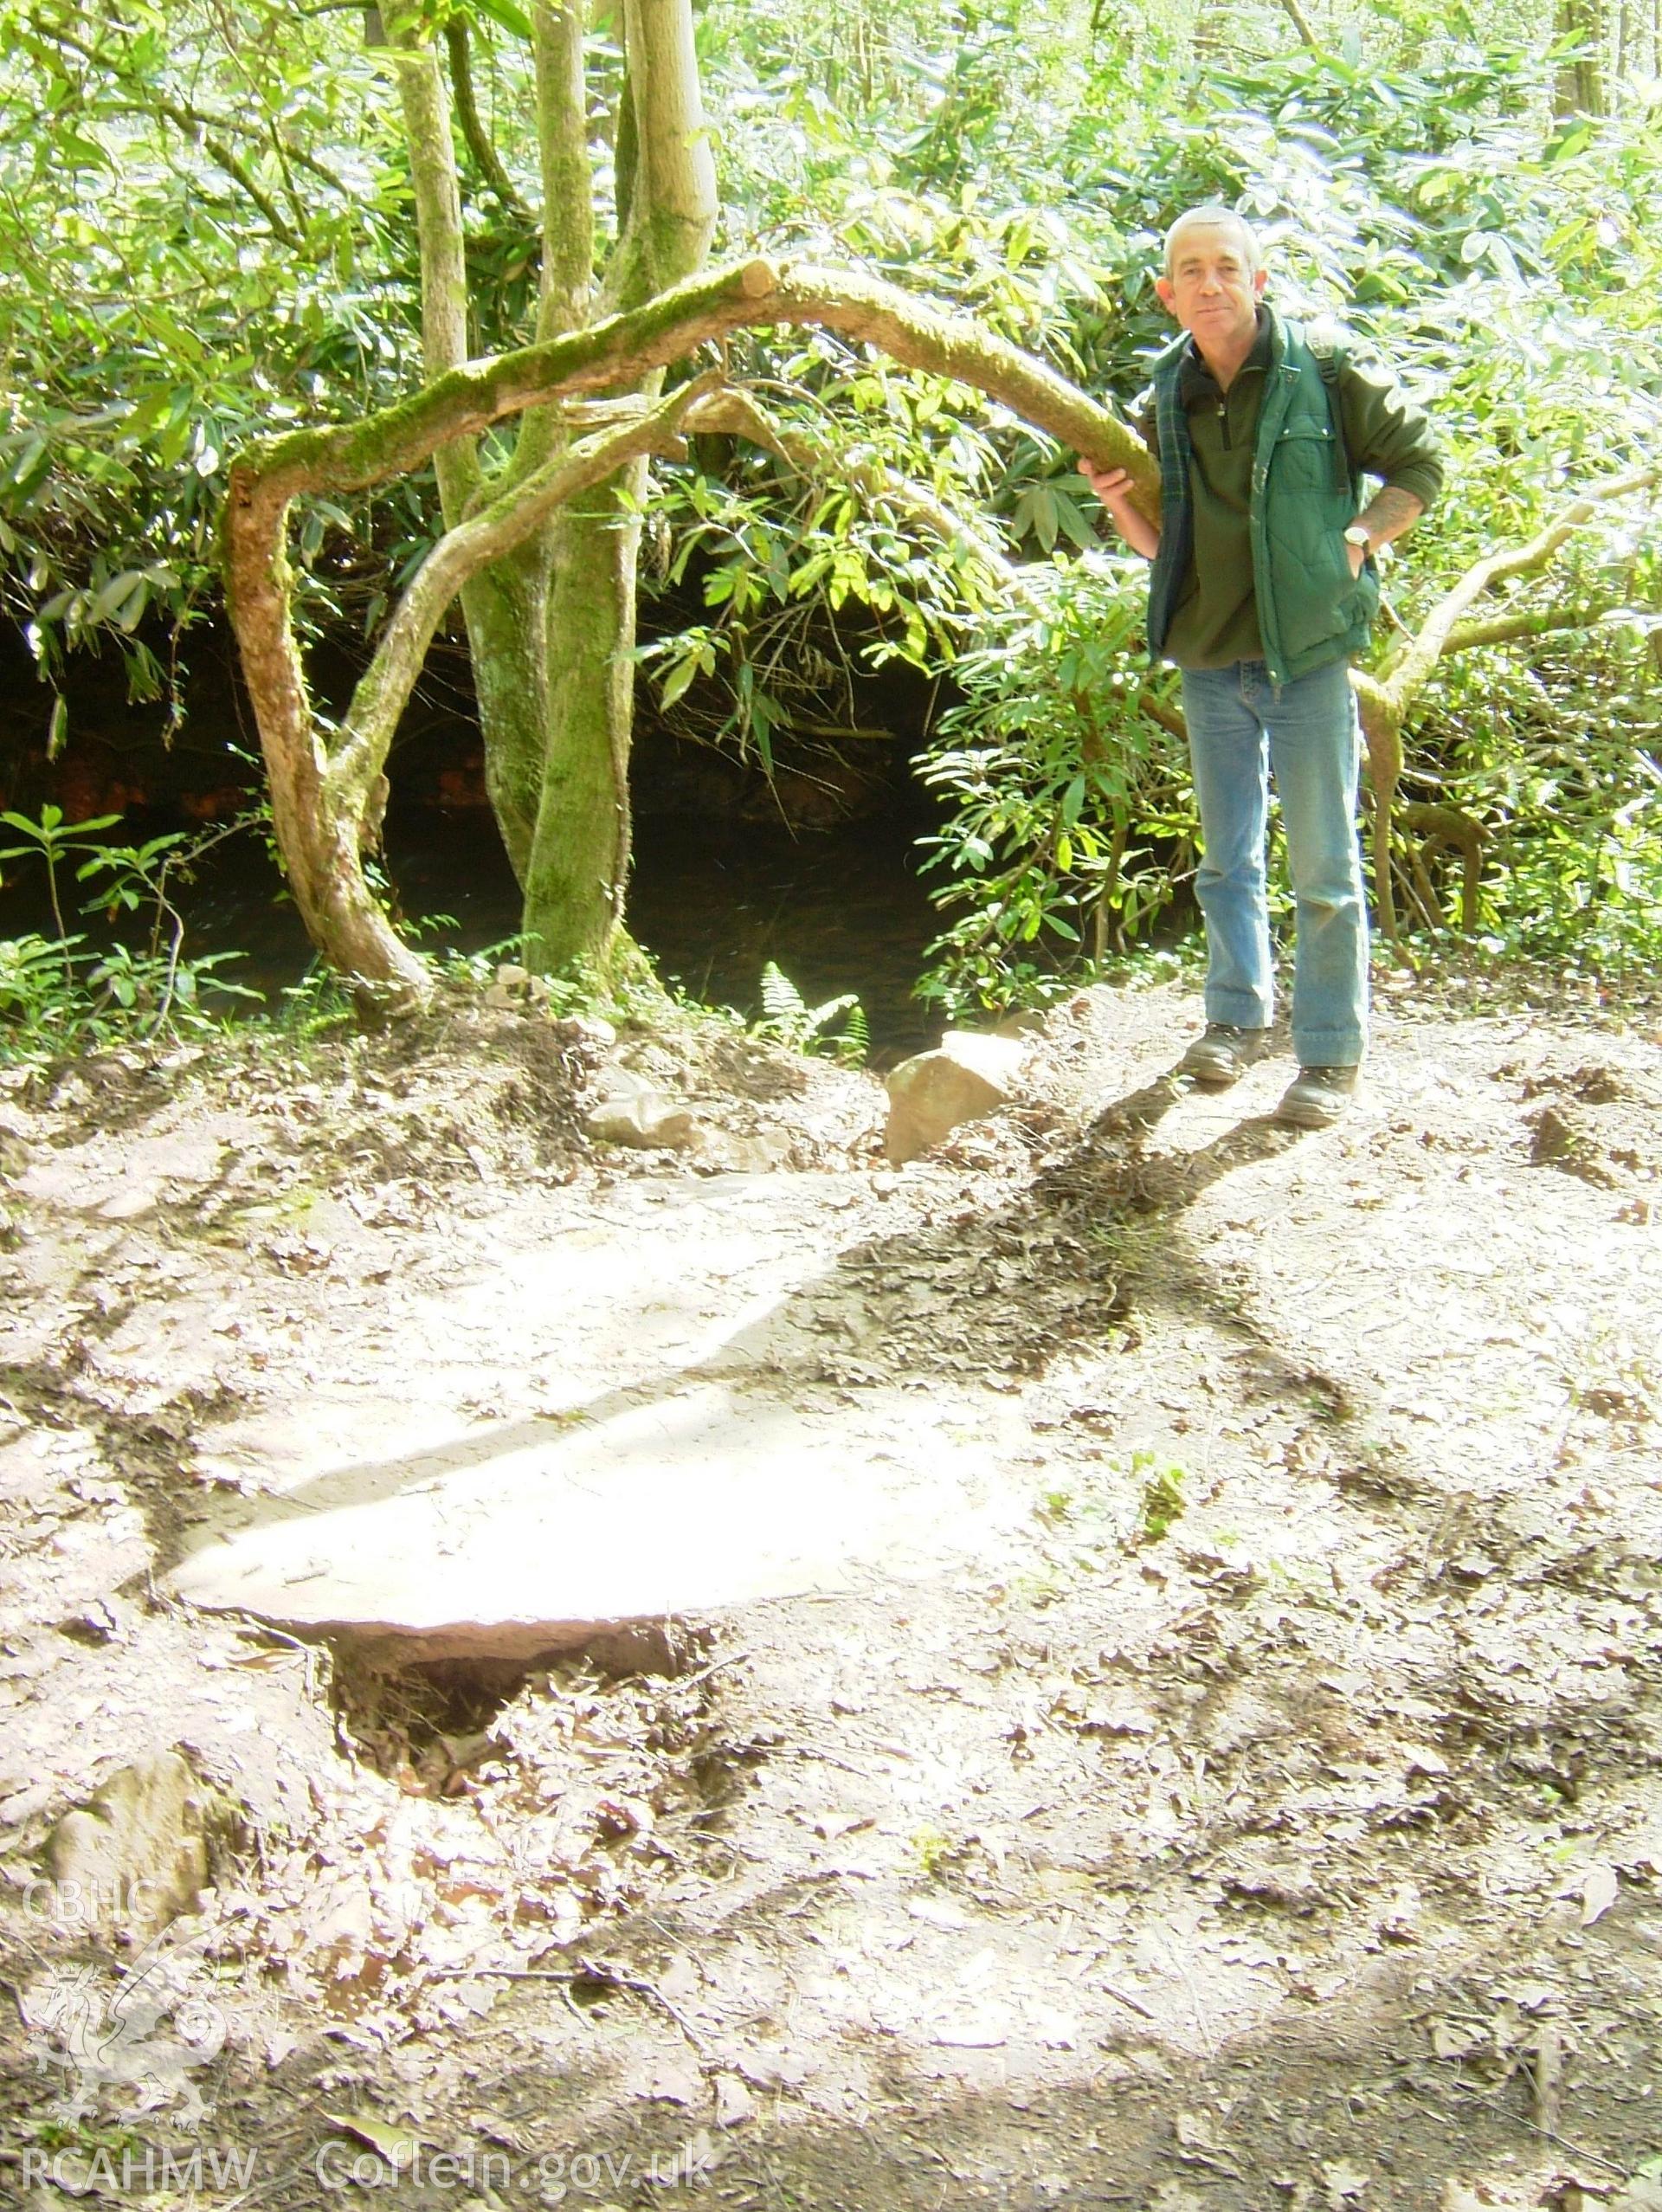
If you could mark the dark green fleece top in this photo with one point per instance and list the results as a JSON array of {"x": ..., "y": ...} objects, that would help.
[{"x": 1215, "y": 622}]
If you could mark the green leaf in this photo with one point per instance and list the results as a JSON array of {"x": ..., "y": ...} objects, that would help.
[
  {"x": 114, "y": 593},
  {"x": 30, "y": 470},
  {"x": 505, "y": 16},
  {"x": 676, "y": 683}
]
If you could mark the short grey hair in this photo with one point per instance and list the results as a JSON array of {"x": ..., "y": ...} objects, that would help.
[{"x": 1215, "y": 215}]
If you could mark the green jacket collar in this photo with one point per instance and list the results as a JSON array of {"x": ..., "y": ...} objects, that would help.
[{"x": 1194, "y": 375}]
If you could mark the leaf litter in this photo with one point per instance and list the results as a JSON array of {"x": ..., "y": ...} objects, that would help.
[{"x": 1277, "y": 1822}]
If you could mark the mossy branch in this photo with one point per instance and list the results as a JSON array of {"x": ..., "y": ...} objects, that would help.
[
  {"x": 1508, "y": 629},
  {"x": 505, "y": 522},
  {"x": 625, "y": 347}
]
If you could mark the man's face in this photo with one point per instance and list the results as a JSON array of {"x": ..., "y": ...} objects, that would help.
[{"x": 1211, "y": 290}]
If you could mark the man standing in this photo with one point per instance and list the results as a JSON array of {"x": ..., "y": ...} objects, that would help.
[{"x": 1263, "y": 588}]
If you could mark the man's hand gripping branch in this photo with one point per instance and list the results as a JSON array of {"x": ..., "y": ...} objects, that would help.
[{"x": 1113, "y": 487}]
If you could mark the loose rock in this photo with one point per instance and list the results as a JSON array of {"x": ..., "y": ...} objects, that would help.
[
  {"x": 631, "y": 1111},
  {"x": 137, "y": 1856},
  {"x": 967, "y": 1075}
]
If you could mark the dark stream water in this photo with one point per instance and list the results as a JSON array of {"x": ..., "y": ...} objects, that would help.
[
  {"x": 721, "y": 884},
  {"x": 711, "y": 901}
]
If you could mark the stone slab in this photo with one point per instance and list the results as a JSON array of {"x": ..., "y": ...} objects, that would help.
[{"x": 535, "y": 1536}]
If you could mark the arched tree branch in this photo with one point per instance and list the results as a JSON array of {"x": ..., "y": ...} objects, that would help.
[
  {"x": 748, "y": 295},
  {"x": 316, "y": 821}
]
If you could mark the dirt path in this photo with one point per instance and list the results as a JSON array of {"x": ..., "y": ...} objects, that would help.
[{"x": 1204, "y": 1749}]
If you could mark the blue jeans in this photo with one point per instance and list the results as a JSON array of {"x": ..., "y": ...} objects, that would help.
[{"x": 1239, "y": 726}]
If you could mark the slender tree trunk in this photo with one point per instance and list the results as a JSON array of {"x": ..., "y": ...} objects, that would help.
[
  {"x": 504, "y": 608},
  {"x": 1581, "y": 81},
  {"x": 550, "y": 626},
  {"x": 576, "y": 877},
  {"x": 514, "y": 644}
]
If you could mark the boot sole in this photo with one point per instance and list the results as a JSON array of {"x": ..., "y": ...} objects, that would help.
[{"x": 1302, "y": 1115}]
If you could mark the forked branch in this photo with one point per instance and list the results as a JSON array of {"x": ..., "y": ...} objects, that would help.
[
  {"x": 500, "y": 526},
  {"x": 1385, "y": 700},
  {"x": 739, "y": 414}
]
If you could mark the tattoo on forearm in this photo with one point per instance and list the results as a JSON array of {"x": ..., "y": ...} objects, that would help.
[{"x": 1389, "y": 512}]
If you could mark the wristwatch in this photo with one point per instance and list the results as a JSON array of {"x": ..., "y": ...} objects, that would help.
[{"x": 1358, "y": 534}]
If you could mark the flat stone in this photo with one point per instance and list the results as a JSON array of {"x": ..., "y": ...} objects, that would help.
[
  {"x": 535, "y": 1536},
  {"x": 656, "y": 1443}
]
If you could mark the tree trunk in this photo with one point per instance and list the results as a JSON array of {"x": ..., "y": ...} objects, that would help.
[
  {"x": 577, "y": 876},
  {"x": 577, "y": 873},
  {"x": 511, "y": 642},
  {"x": 1580, "y": 80},
  {"x": 504, "y": 609},
  {"x": 550, "y": 626},
  {"x": 501, "y": 607},
  {"x": 317, "y": 814}
]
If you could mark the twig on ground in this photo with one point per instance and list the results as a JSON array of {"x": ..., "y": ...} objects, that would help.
[
  {"x": 1122, "y": 1996},
  {"x": 703, "y": 1673},
  {"x": 611, "y": 1977}
]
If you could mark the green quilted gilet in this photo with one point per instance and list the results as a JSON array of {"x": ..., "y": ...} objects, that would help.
[{"x": 1311, "y": 609}]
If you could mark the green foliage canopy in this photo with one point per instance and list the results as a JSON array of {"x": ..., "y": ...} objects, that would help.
[{"x": 206, "y": 234}]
